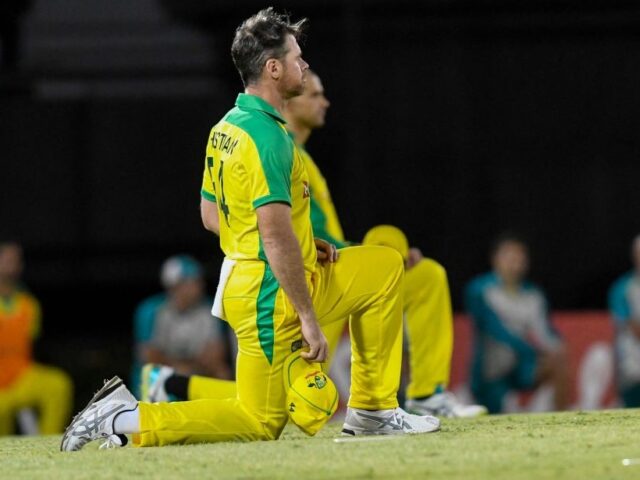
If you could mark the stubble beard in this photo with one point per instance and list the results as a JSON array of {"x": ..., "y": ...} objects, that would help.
[{"x": 292, "y": 91}]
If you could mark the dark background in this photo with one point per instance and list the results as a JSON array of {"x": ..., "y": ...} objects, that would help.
[{"x": 453, "y": 120}]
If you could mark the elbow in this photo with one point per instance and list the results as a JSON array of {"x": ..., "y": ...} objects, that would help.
[
  {"x": 214, "y": 229},
  {"x": 210, "y": 225},
  {"x": 278, "y": 242},
  {"x": 209, "y": 216}
]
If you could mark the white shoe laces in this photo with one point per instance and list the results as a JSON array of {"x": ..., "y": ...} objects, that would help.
[
  {"x": 397, "y": 418},
  {"x": 402, "y": 417},
  {"x": 399, "y": 414}
]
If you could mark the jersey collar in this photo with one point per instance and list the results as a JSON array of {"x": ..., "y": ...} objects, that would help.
[{"x": 253, "y": 102}]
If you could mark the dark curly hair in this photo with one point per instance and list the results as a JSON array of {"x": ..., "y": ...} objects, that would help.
[{"x": 259, "y": 38}]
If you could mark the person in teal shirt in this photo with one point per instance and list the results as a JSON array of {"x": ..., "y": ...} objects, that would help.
[
  {"x": 515, "y": 347},
  {"x": 624, "y": 305}
]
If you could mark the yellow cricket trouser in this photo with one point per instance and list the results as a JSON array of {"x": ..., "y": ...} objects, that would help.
[
  {"x": 364, "y": 286},
  {"x": 208, "y": 387},
  {"x": 429, "y": 320},
  {"x": 47, "y": 389}
]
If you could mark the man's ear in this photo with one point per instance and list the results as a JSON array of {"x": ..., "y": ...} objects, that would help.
[{"x": 274, "y": 68}]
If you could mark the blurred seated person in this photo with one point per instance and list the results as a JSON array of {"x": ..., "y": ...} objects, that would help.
[
  {"x": 515, "y": 347},
  {"x": 176, "y": 328},
  {"x": 624, "y": 305},
  {"x": 25, "y": 384}
]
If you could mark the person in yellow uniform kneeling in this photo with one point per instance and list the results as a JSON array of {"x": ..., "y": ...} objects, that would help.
[
  {"x": 282, "y": 285},
  {"x": 427, "y": 302}
]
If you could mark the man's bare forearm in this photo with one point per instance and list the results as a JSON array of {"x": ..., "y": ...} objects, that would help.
[
  {"x": 283, "y": 254},
  {"x": 285, "y": 259},
  {"x": 209, "y": 215}
]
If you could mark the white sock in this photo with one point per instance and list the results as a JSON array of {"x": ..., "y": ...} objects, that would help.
[{"x": 127, "y": 422}]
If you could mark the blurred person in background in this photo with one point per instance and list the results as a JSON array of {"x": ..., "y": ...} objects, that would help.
[
  {"x": 624, "y": 305},
  {"x": 176, "y": 328},
  {"x": 25, "y": 384},
  {"x": 515, "y": 347}
]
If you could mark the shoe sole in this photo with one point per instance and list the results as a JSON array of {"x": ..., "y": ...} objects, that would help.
[
  {"x": 438, "y": 414},
  {"x": 354, "y": 432},
  {"x": 349, "y": 431},
  {"x": 107, "y": 389}
]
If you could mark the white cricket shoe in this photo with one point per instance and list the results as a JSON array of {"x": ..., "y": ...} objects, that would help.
[
  {"x": 444, "y": 405},
  {"x": 96, "y": 420},
  {"x": 152, "y": 383},
  {"x": 387, "y": 422}
]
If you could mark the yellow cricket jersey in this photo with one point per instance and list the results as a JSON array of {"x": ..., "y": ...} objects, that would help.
[
  {"x": 251, "y": 161},
  {"x": 323, "y": 213}
]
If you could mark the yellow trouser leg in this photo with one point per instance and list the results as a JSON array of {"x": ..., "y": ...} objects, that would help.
[
  {"x": 427, "y": 306},
  {"x": 204, "y": 387},
  {"x": 429, "y": 327},
  {"x": 47, "y": 389},
  {"x": 333, "y": 332},
  {"x": 196, "y": 421},
  {"x": 365, "y": 285},
  {"x": 266, "y": 325},
  {"x": 207, "y": 387}
]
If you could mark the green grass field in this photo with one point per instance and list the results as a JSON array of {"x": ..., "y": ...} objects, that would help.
[{"x": 560, "y": 446}]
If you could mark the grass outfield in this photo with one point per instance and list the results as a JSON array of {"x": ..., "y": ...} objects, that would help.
[{"x": 560, "y": 446}]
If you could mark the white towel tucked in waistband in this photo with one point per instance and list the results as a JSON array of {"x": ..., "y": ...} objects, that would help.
[{"x": 218, "y": 308}]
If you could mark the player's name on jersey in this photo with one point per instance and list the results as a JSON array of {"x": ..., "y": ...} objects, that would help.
[{"x": 223, "y": 142}]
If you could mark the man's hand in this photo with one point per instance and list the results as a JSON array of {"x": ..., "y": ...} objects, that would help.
[
  {"x": 327, "y": 252},
  {"x": 313, "y": 336}
]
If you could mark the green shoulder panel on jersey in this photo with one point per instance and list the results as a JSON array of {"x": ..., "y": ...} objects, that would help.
[{"x": 275, "y": 150}]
